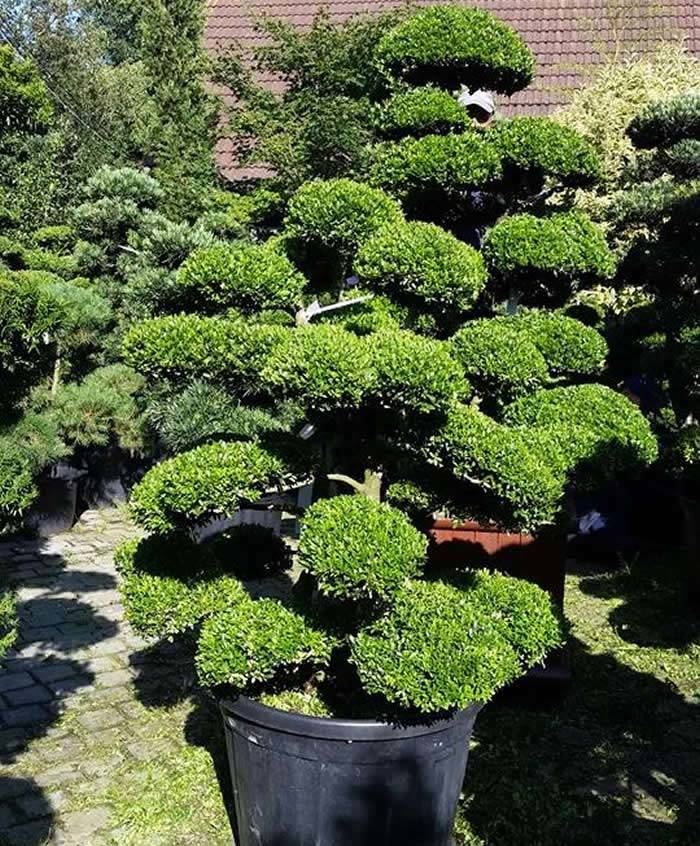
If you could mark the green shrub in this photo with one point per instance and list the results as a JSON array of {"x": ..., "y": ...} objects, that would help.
[
  {"x": 682, "y": 159},
  {"x": 446, "y": 163},
  {"x": 256, "y": 640},
  {"x": 423, "y": 262},
  {"x": 248, "y": 277},
  {"x": 421, "y": 111},
  {"x": 58, "y": 237},
  {"x": 49, "y": 262},
  {"x": 204, "y": 412},
  {"x": 566, "y": 247},
  {"x": 539, "y": 146},
  {"x": 101, "y": 409},
  {"x": 339, "y": 213},
  {"x": 166, "y": 243},
  {"x": 443, "y": 647},
  {"x": 8, "y": 619},
  {"x": 666, "y": 122},
  {"x": 356, "y": 547},
  {"x": 500, "y": 360},
  {"x": 324, "y": 366},
  {"x": 569, "y": 347},
  {"x": 125, "y": 184},
  {"x": 185, "y": 346},
  {"x": 210, "y": 481},
  {"x": 414, "y": 374},
  {"x": 450, "y": 44},
  {"x": 620, "y": 439},
  {"x": 652, "y": 203},
  {"x": 411, "y": 498},
  {"x": 499, "y": 461}
]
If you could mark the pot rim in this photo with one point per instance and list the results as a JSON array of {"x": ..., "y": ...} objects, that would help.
[{"x": 329, "y": 728}]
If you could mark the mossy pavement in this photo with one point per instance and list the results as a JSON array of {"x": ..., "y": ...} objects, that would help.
[{"x": 105, "y": 740}]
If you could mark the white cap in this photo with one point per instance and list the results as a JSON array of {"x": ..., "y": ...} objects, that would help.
[{"x": 482, "y": 99}]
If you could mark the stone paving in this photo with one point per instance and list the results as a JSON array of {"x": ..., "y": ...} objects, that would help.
[{"x": 67, "y": 684}]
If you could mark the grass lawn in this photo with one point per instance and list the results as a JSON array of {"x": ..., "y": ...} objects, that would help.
[{"x": 616, "y": 761}]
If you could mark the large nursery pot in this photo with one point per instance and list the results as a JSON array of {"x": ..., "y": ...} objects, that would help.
[{"x": 300, "y": 780}]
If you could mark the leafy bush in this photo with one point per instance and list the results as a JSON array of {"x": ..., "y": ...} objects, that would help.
[
  {"x": 204, "y": 412},
  {"x": 60, "y": 237},
  {"x": 356, "y": 547},
  {"x": 421, "y": 111},
  {"x": 500, "y": 461},
  {"x": 569, "y": 347},
  {"x": 25, "y": 102},
  {"x": 414, "y": 374},
  {"x": 186, "y": 346},
  {"x": 443, "y": 648},
  {"x": 682, "y": 160},
  {"x": 165, "y": 243},
  {"x": 324, "y": 366},
  {"x": 254, "y": 641},
  {"x": 450, "y": 44},
  {"x": 8, "y": 619},
  {"x": 447, "y": 163},
  {"x": 423, "y": 262},
  {"x": 207, "y": 482},
  {"x": 101, "y": 409},
  {"x": 566, "y": 247},
  {"x": 501, "y": 360},
  {"x": 621, "y": 437},
  {"x": 248, "y": 277},
  {"x": 339, "y": 213},
  {"x": 539, "y": 146},
  {"x": 666, "y": 122}
]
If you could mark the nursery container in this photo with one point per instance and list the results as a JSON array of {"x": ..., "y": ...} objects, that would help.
[
  {"x": 540, "y": 559},
  {"x": 301, "y": 781}
]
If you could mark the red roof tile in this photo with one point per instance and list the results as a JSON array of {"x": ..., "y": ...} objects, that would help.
[{"x": 567, "y": 36}]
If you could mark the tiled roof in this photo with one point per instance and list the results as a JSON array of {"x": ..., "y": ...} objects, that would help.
[{"x": 567, "y": 36}]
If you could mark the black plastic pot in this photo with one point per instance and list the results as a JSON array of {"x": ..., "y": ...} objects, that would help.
[{"x": 308, "y": 781}]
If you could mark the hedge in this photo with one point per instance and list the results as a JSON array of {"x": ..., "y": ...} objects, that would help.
[
  {"x": 499, "y": 460},
  {"x": 540, "y": 146},
  {"x": 500, "y": 360},
  {"x": 567, "y": 246},
  {"x": 447, "y": 163},
  {"x": 445, "y": 647},
  {"x": 181, "y": 347},
  {"x": 339, "y": 213},
  {"x": 358, "y": 548},
  {"x": 210, "y": 481},
  {"x": 414, "y": 374},
  {"x": 666, "y": 122},
  {"x": 621, "y": 437},
  {"x": 421, "y": 111},
  {"x": 452, "y": 44},
  {"x": 323, "y": 366},
  {"x": 424, "y": 262},
  {"x": 256, "y": 640},
  {"x": 248, "y": 277}
]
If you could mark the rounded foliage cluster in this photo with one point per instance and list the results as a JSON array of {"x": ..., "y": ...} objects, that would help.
[
  {"x": 421, "y": 261},
  {"x": 682, "y": 160},
  {"x": 325, "y": 366},
  {"x": 569, "y": 347},
  {"x": 500, "y": 360},
  {"x": 255, "y": 640},
  {"x": 445, "y": 163},
  {"x": 356, "y": 547},
  {"x": 421, "y": 111},
  {"x": 180, "y": 347},
  {"x": 451, "y": 44},
  {"x": 666, "y": 122},
  {"x": 210, "y": 481},
  {"x": 248, "y": 277},
  {"x": 339, "y": 213},
  {"x": 445, "y": 647},
  {"x": 620, "y": 436},
  {"x": 414, "y": 374},
  {"x": 538, "y": 145},
  {"x": 566, "y": 246}
]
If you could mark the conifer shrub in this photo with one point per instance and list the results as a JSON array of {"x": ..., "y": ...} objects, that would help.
[
  {"x": 339, "y": 213},
  {"x": 422, "y": 263},
  {"x": 194, "y": 487},
  {"x": 247, "y": 277},
  {"x": 541, "y": 147},
  {"x": 452, "y": 44},
  {"x": 358, "y": 548},
  {"x": 665, "y": 122},
  {"x": 421, "y": 111}
]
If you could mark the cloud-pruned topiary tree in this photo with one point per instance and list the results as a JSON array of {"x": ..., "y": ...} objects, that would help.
[{"x": 418, "y": 380}]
